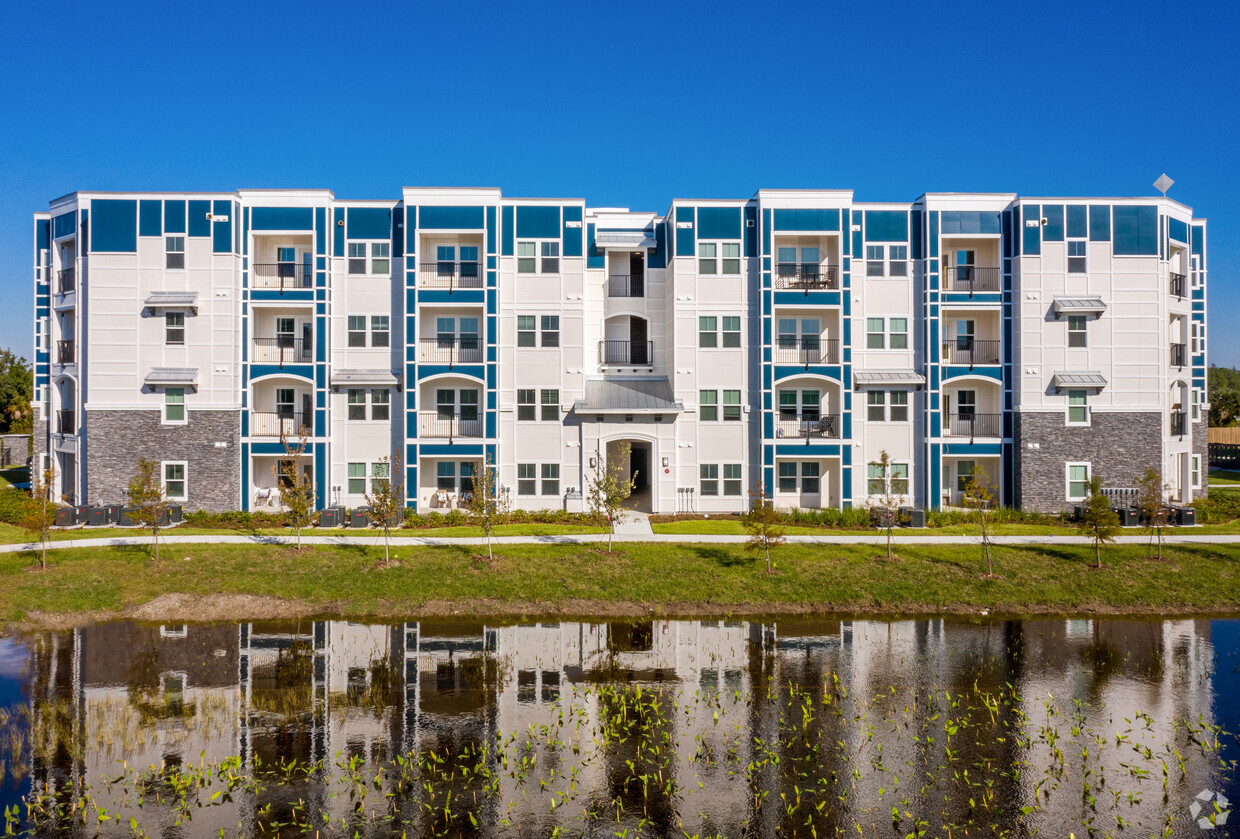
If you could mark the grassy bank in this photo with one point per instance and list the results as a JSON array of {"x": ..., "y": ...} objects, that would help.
[{"x": 225, "y": 581}]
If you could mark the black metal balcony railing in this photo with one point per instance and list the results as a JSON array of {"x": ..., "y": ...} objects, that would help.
[
  {"x": 442, "y": 425},
  {"x": 64, "y": 422},
  {"x": 970, "y": 278},
  {"x": 807, "y": 351},
  {"x": 640, "y": 353},
  {"x": 807, "y": 427},
  {"x": 450, "y": 275},
  {"x": 972, "y": 425},
  {"x": 1178, "y": 284},
  {"x": 283, "y": 349},
  {"x": 450, "y": 350},
  {"x": 804, "y": 276},
  {"x": 282, "y": 275},
  {"x": 279, "y": 424},
  {"x": 623, "y": 285},
  {"x": 1179, "y": 355},
  {"x": 970, "y": 351},
  {"x": 65, "y": 277},
  {"x": 64, "y": 352},
  {"x": 1179, "y": 421}
]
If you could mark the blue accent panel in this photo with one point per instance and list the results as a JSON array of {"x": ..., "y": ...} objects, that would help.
[
  {"x": 719, "y": 222},
  {"x": 963, "y": 297},
  {"x": 305, "y": 371},
  {"x": 245, "y": 466},
  {"x": 221, "y": 234},
  {"x": 958, "y": 221},
  {"x": 150, "y": 218},
  {"x": 934, "y": 237},
  {"x": 1078, "y": 221},
  {"x": 460, "y": 295},
  {"x": 43, "y": 235},
  {"x": 538, "y": 222},
  {"x": 491, "y": 239},
  {"x": 320, "y": 232},
  {"x": 266, "y": 448},
  {"x": 282, "y": 218},
  {"x": 686, "y": 242},
  {"x": 451, "y": 449},
  {"x": 1177, "y": 230},
  {"x": 994, "y": 372},
  {"x": 452, "y": 218},
  {"x": 425, "y": 371},
  {"x": 85, "y": 241},
  {"x": 1052, "y": 231},
  {"x": 594, "y": 257},
  {"x": 63, "y": 224},
  {"x": 1136, "y": 231},
  {"x": 886, "y": 225},
  {"x": 338, "y": 232},
  {"x": 174, "y": 216},
  {"x": 812, "y": 298},
  {"x": 918, "y": 238},
  {"x": 199, "y": 226},
  {"x": 1007, "y": 237},
  {"x": 572, "y": 235},
  {"x": 1099, "y": 222},
  {"x": 751, "y": 231},
  {"x": 508, "y": 228},
  {"x": 1199, "y": 239},
  {"x": 793, "y": 450},
  {"x": 807, "y": 220},
  {"x": 955, "y": 449},
  {"x": 295, "y": 294},
  {"x": 658, "y": 259},
  {"x": 369, "y": 223},
  {"x": 1032, "y": 235},
  {"x": 766, "y": 232},
  {"x": 830, "y": 371},
  {"x": 845, "y": 226},
  {"x": 398, "y": 238},
  {"x": 116, "y": 226}
]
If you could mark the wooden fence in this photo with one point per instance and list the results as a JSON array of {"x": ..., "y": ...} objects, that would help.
[{"x": 1225, "y": 436}]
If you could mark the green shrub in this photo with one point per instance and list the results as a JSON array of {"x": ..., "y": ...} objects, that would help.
[
  {"x": 15, "y": 506},
  {"x": 1218, "y": 508}
]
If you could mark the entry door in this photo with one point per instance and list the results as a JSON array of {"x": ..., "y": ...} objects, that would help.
[
  {"x": 637, "y": 341},
  {"x": 639, "y": 466},
  {"x": 637, "y": 274},
  {"x": 307, "y": 412}
]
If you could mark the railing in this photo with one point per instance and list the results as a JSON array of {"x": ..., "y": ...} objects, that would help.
[
  {"x": 283, "y": 349},
  {"x": 450, "y": 350},
  {"x": 970, "y": 352},
  {"x": 973, "y": 425},
  {"x": 640, "y": 353},
  {"x": 623, "y": 285},
  {"x": 64, "y": 422},
  {"x": 279, "y": 424},
  {"x": 804, "y": 276},
  {"x": 281, "y": 275},
  {"x": 970, "y": 278},
  {"x": 1179, "y": 355},
  {"x": 450, "y": 275},
  {"x": 1178, "y": 283},
  {"x": 448, "y": 426},
  {"x": 65, "y": 278},
  {"x": 1178, "y": 423},
  {"x": 64, "y": 352},
  {"x": 807, "y": 351},
  {"x": 807, "y": 427}
]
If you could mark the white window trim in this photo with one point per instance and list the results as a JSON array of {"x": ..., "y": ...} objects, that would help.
[
  {"x": 719, "y": 257},
  {"x": 538, "y": 257},
  {"x": 879, "y": 262},
  {"x": 163, "y": 479},
  {"x": 1068, "y": 256},
  {"x": 887, "y": 479},
  {"x": 1067, "y": 414},
  {"x": 538, "y": 480},
  {"x": 882, "y": 332},
  {"x": 368, "y": 331},
  {"x": 368, "y": 257},
  {"x": 904, "y": 262},
  {"x": 1067, "y": 478},
  {"x": 800, "y": 477},
  {"x": 163, "y": 409},
  {"x": 1194, "y": 466}
]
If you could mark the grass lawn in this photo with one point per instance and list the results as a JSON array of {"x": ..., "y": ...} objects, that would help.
[
  {"x": 1223, "y": 477},
  {"x": 580, "y": 580},
  {"x": 733, "y": 527},
  {"x": 16, "y": 475}
]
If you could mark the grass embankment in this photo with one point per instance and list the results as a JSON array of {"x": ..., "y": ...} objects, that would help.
[
  {"x": 1223, "y": 479},
  {"x": 229, "y": 581}
]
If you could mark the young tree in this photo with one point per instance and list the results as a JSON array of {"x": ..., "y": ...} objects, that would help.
[
  {"x": 1100, "y": 522},
  {"x": 607, "y": 491},
  {"x": 1151, "y": 501},
  {"x": 890, "y": 499},
  {"x": 146, "y": 496},
  {"x": 386, "y": 500},
  {"x": 296, "y": 487},
  {"x": 977, "y": 493},
  {"x": 42, "y": 513},
  {"x": 483, "y": 505},
  {"x": 762, "y": 521}
]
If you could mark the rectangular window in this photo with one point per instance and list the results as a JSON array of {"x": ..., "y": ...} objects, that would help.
[
  {"x": 898, "y": 332},
  {"x": 174, "y": 405},
  {"x": 357, "y": 330},
  {"x": 527, "y": 257},
  {"x": 708, "y": 261},
  {"x": 527, "y": 481},
  {"x": 1076, "y": 257},
  {"x": 380, "y": 473},
  {"x": 875, "y": 482},
  {"x": 876, "y": 406},
  {"x": 357, "y": 404},
  {"x": 708, "y": 405},
  {"x": 1076, "y": 331},
  {"x": 787, "y": 476},
  {"x": 174, "y": 252},
  {"x": 550, "y": 400},
  {"x": 551, "y": 479},
  {"x": 964, "y": 471},
  {"x": 709, "y": 479},
  {"x": 525, "y": 405},
  {"x": 732, "y": 406},
  {"x": 445, "y": 475},
  {"x": 526, "y": 334},
  {"x": 550, "y": 330},
  {"x": 899, "y": 406},
  {"x": 732, "y": 479},
  {"x": 357, "y": 479},
  {"x": 1196, "y": 415},
  {"x": 379, "y": 261},
  {"x": 875, "y": 337},
  {"x": 897, "y": 260},
  {"x": 1078, "y": 408},
  {"x": 467, "y": 476},
  {"x": 707, "y": 336},
  {"x": 357, "y": 257},
  {"x": 875, "y": 266},
  {"x": 731, "y": 257},
  {"x": 380, "y": 405},
  {"x": 810, "y": 480},
  {"x": 550, "y": 258},
  {"x": 380, "y": 336},
  {"x": 1196, "y": 476},
  {"x": 1078, "y": 481},
  {"x": 731, "y": 331},
  {"x": 174, "y": 329},
  {"x": 899, "y": 478},
  {"x": 174, "y": 481}
]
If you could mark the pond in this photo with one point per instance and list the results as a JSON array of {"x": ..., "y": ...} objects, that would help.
[{"x": 715, "y": 727}]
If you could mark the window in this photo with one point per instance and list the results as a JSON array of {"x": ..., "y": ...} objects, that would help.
[
  {"x": 380, "y": 473},
  {"x": 709, "y": 479},
  {"x": 874, "y": 264},
  {"x": 707, "y": 336},
  {"x": 732, "y": 479},
  {"x": 527, "y": 484},
  {"x": 1078, "y": 481},
  {"x": 550, "y": 330},
  {"x": 899, "y": 478},
  {"x": 897, "y": 260},
  {"x": 551, "y": 479},
  {"x": 1196, "y": 410},
  {"x": 875, "y": 339},
  {"x": 731, "y": 406},
  {"x": 174, "y": 405},
  {"x": 876, "y": 405},
  {"x": 380, "y": 336},
  {"x": 803, "y": 404},
  {"x": 1076, "y": 331},
  {"x": 379, "y": 261},
  {"x": 174, "y": 329},
  {"x": 966, "y": 403},
  {"x": 525, "y": 405},
  {"x": 898, "y": 333},
  {"x": 380, "y": 405},
  {"x": 1078, "y": 408},
  {"x": 550, "y": 400},
  {"x": 527, "y": 331},
  {"x": 445, "y": 475},
  {"x": 715, "y": 258},
  {"x": 527, "y": 257},
  {"x": 810, "y": 483},
  {"x": 1198, "y": 328},
  {"x": 809, "y": 474},
  {"x": 550, "y": 257},
  {"x": 357, "y": 404},
  {"x": 174, "y": 481},
  {"x": 965, "y": 469},
  {"x": 527, "y": 408},
  {"x": 899, "y": 406},
  {"x": 1076, "y": 257},
  {"x": 708, "y": 262},
  {"x": 874, "y": 479},
  {"x": 357, "y": 330},
  {"x": 708, "y": 405},
  {"x": 731, "y": 331},
  {"x": 538, "y": 257},
  {"x": 174, "y": 252},
  {"x": 357, "y": 257},
  {"x": 895, "y": 480},
  {"x": 1196, "y": 472},
  {"x": 787, "y": 476}
]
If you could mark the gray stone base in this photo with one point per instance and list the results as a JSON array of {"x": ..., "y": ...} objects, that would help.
[
  {"x": 38, "y": 442},
  {"x": 1118, "y": 447},
  {"x": 14, "y": 449},
  {"x": 119, "y": 438},
  {"x": 1201, "y": 447}
]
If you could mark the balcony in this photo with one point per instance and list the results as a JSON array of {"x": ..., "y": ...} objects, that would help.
[
  {"x": 971, "y": 352},
  {"x": 65, "y": 278},
  {"x": 439, "y": 425},
  {"x": 450, "y": 275},
  {"x": 1178, "y": 284},
  {"x": 970, "y": 278},
  {"x": 280, "y": 424},
  {"x": 450, "y": 350},
  {"x": 824, "y": 426},
  {"x": 1178, "y": 423},
  {"x": 807, "y": 351},
  {"x": 624, "y": 285},
  {"x": 639, "y": 353},
  {"x": 1179, "y": 355},
  {"x": 972, "y": 425},
  {"x": 804, "y": 276},
  {"x": 283, "y": 349},
  {"x": 281, "y": 275},
  {"x": 64, "y": 422},
  {"x": 64, "y": 352}
]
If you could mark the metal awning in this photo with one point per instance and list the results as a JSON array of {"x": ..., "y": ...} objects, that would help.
[
  {"x": 861, "y": 378},
  {"x": 172, "y": 377},
  {"x": 624, "y": 239},
  {"x": 628, "y": 396},
  {"x": 363, "y": 378},
  {"x": 172, "y": 300},
  {"x": 1078, "y": 306},
  {"x": 1082, "y": 378}
]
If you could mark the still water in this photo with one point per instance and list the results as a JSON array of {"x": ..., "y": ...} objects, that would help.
[{"x": 830, "y": 727}]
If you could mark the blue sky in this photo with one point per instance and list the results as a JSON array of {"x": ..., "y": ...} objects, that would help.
[{"x": 624, "y": 105}]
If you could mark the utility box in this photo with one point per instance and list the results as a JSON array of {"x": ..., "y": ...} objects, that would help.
[
  {"x": 913, "y": 516},
  {"x": 177, "y": 512},
  {"x": 1186, "y": 516},
  {"x": 66, "y": 516},
  {"x": 1127, "y": 516},
  {"x": 359, "y": 517},
  {"x": 96, "y": 516},
  {"x": 332, "y": 517}
]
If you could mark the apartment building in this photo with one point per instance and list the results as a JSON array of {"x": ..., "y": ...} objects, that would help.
[{"x": 789, "y": 338}]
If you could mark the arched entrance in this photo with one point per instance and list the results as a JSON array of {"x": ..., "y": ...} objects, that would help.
[{"x": 638, "y": 466}]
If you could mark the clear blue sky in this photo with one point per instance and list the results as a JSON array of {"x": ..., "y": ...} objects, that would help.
[{"x": 623, "y": 104}]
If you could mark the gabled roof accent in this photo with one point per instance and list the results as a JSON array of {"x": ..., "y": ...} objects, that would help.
[
  {"x": 359, "y": 378},
  {"x": 172, "y": 377},
  {"x": 624, "y": 239},
  {"x": 1078, "y": 378},
  {"x": 172, "y": 300},
  {"x": 888, "y": 377},
  {"x": 1091, "y": 304},
  {"x": 628, "y": 396}
]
